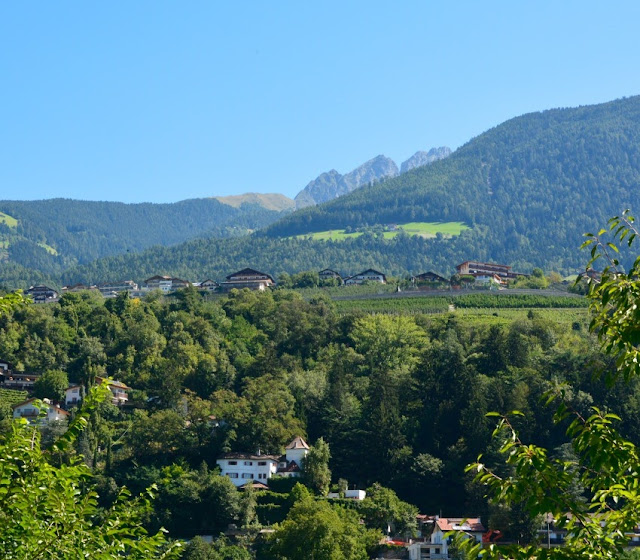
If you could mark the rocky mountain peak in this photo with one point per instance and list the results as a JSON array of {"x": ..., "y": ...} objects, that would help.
[{"x": 425, "y": 158}]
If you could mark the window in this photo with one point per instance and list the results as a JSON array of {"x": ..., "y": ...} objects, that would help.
[
  {"x": 437, "y": 551},
  {"x": 248, "y": 463},
  {"x": 233, "y": 462},
  {"x": 247, "y": 475},
  {"x": 232, "y": 475},
  {"x": 262, "y": 463}
]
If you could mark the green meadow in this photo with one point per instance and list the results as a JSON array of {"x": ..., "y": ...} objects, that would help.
[
  {"x": 9, "y": 220},
  {"x": 423, "y": 229}
]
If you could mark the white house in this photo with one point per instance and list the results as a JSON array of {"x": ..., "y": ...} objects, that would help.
[
  {"x": 247, "y": 278},
  {"x": 243, "y": 467},
  {"x": 32, "y": 409},
  {"x": 437, "y": 545},
  {"x": 369, "y": 275},
  {"x": 290, "y": 464},
  {"x": 118, "y": 391},
  {"x": 73, "y": 395},
  {"x": 208, "y": 284}
]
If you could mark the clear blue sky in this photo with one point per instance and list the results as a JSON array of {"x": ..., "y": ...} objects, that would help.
[{"x": 162, "y": 101}]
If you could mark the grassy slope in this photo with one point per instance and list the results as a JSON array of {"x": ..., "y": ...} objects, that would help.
[
  {"x": 421, "y": 229},
  {"x": 269, "y": 201},
  {"x": 9, "y": 220}
]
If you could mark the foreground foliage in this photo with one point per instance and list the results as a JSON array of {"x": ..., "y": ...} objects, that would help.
[
  {"x": 51, "y": 511},
  {"x": 604, "y": 463}
]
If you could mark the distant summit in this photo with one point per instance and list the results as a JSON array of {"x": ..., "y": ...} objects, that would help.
[
  {"x": 331, "y": 184},
  {"x": 425, "y": 158},
  {"x": 268, "y": 201}
]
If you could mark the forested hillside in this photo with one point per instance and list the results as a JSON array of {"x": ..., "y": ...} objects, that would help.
[
  {"x": 537, "y": 182},
  {"x": 49, "y": 235},
  {"x": 528, "y": 189}
]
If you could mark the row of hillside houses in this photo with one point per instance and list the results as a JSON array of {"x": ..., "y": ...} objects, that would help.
[
  {"x": 46, "y": 410},
  {"x": 255, "y": 280}
]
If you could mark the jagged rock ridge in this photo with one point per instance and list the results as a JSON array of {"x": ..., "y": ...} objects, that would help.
[
  {"x": 425, "y": 158},
  {"x": 331, "y": 184}
]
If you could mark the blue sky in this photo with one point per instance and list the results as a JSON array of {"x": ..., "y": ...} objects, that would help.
[{"x": 163, "y": 101}]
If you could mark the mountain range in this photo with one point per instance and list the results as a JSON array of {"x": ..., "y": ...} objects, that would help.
[
  {"x": 331, "y": 184},
  {"x": 526, "y": 191}
]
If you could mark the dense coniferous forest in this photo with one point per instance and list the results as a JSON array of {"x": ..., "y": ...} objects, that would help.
[{"x": 51, "y": 235}]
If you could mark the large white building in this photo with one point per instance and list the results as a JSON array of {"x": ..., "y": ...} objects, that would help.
[
  {"x": 244, "y": 467},
  {"x": 368, "y": 275}
]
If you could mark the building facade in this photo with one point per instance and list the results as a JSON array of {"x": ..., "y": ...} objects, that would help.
[
  {"x": 244, "y": 467},
  {"x": 369, "y": 275},
  {"x": 247, "y": 278}
]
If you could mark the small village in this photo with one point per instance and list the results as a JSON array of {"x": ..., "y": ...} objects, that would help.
[{"x": 476, "y": 272}]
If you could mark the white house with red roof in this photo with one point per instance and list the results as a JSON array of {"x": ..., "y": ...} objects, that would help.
[
  {"x": 436, "y": 547},
  {"x": 244, "y": 467},
  {"x": 32, "y": 410}
]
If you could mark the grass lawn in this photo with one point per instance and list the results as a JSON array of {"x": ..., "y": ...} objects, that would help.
[
  {"x": 9, "y": 220},
  {"x": 423, "y": 229}
]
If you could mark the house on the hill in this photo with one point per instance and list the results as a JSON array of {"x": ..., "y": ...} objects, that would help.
[
  {"x": 31, "y": 411},
  {"x": 42, "y": 294},
  {"x": 247, "y": 278},
  {"x": 244, "y": 467},
  {"x": 329, "y": 274},
  {"x": 437, "y": 545},
  {"x": 291, "y": 462},
  {"x": 73, "y": 396},
  {"x": 429, "y": 280},
  {"x": 73, "y": 288},
  {"x": 165, "y": 284},
  {"x": 112, "y": 289},
  {"x": 208, "y": 285},
  {"x": 12, "y": 380},
  {"x": 119, "y": 391},
  {"x": 477, "y": 268},
  {"x": 369, "y": 275}
]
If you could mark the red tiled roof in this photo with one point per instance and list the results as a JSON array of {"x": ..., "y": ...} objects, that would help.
[{"x": 472, "y": 524}]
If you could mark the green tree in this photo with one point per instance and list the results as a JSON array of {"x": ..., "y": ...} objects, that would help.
[
  {"x": 51, "y": 385},
  {"x": 605, "y": 463},
  {"x": 315, "y": 530},
  {"x": 52, "y": 511},
  {"x": 316, "y": 468},
  {"x": 384, "y": 510}
]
